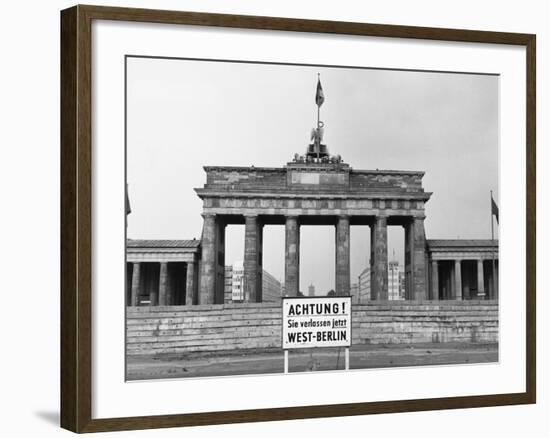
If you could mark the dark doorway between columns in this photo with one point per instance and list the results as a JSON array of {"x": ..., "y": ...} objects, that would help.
[
  {"x": 176, "y": 283},
  {"x": 446, "y": 279},
  {"x": 149, "y": 284},
  {"x": 469, "y": 279},
  {"x": 129, "y": 274}
]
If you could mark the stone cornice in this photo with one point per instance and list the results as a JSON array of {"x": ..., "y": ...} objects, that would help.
[
  {"x": 160, "y": 256},
  {"x": 213, "y": 193},
  {"x": 482, "y": 254}
]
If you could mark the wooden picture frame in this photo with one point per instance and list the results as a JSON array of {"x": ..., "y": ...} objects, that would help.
[{"x": 76, "y": 217}]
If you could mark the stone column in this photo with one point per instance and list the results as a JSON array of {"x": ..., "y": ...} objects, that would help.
[
  {"x": 170, "y": 296},
  {"x": 292, "y": 256},
  {"x": 219, "y": 282},
  {"x": 136, "y": 277},
  {"x": 480, "y": 279},
  {"x": 379, "y": 271},
  {"x": 251, "y": 258},
  {"x": 208, "y": 256},
  {"x": 458, "y": 281},
  {"x": 419, "y": 286},
  {"x": 189, "y": 283},
  {"x": 163, "y": 277},
  {"x": 435, "y": 280},
  {"x": 409, "y": 245},
  {"x": 342, "y": 256},
  {"x": 260, "y": 265}
]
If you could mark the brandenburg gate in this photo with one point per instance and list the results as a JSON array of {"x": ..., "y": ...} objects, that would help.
[{"x": 313, "y": 189}]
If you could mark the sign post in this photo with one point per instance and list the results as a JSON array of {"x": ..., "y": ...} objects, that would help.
[{"x": 316, "y": 322}]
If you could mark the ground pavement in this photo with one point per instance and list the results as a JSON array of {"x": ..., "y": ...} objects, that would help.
[{"x": 269, "y": 362}]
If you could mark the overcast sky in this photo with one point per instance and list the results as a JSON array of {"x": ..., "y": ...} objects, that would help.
[{"x": 185, "y": 114}]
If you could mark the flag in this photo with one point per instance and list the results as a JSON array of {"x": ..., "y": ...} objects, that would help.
[
  {"x": 319, "y": 96},
  {"x": 128, "y": 208},
  {"x": 494, "y": 208}
]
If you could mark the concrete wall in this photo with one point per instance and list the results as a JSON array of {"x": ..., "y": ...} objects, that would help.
[
  {"x": 203, "y": 328},
  {"x": 215, "y": 328}
]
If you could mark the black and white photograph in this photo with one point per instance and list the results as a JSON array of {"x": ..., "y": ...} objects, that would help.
[
  {"x": 275, "y": 219},
  {"x": 305, "y": 218}
]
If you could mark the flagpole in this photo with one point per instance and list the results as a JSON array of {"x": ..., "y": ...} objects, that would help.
[
  {"x": 493, "y": 249},
  {"x": 318, "y": 120}
]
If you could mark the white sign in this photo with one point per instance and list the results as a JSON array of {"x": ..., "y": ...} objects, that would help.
[{"x": 316, "y": 322}]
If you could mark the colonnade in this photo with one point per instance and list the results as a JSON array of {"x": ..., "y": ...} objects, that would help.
[
  {"x": 163, "y": 293},
  {"x": 452, "y": 286},
  {"x": 213, "y": 257}
]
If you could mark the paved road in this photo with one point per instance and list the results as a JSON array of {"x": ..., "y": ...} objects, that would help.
[{"x": 361, "y": 356}]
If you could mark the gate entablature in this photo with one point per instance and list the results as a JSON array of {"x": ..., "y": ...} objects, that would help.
[{"x": 312, "y": 189}]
